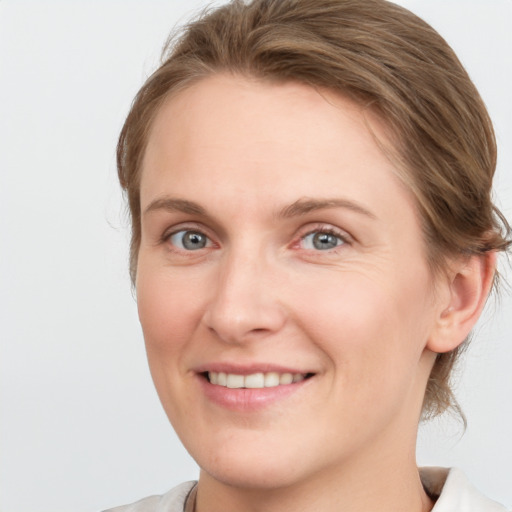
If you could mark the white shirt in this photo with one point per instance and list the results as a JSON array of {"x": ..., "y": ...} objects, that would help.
[{"x": 455, "y": 494}]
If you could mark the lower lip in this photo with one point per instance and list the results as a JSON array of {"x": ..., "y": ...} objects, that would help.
[{"x": 249, "y": 399}]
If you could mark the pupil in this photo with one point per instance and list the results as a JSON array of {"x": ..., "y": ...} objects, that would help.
[
  {"x": 324, "y": 241},
  {"x": 193, "y": 240}
]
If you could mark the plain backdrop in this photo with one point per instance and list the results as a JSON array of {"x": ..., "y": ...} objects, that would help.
[{"x": 81, "y": 428}]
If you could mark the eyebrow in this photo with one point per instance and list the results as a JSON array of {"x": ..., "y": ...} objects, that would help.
[
  {"x": 300, "y": 207},
  {"x": 306, "y": 205},
  {"x": 171, "y": 204}
]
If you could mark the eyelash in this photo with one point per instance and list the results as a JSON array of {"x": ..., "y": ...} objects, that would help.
[
  {"x": 323, "y": 230},
  {"x": 341, "y": 236},
  {"x": 167, "y": 237}
]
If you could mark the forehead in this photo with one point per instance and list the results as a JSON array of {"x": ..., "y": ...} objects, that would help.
[
  {"x": 218, "y": 99},
  {"x": 244, "y": 140}
]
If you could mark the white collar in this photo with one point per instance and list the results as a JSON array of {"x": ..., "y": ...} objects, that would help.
[{"x": 455, "y": 492}]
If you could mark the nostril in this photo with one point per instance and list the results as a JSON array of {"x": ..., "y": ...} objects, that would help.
[
  {"x": 238, "y": 333},
  {"x": 237, "y": 315}
]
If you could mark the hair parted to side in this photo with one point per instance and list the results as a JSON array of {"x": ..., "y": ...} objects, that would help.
[{"x": 386, "y": 59}]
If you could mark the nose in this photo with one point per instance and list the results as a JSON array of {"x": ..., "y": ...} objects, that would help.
[{"x": 244, "y": 304}]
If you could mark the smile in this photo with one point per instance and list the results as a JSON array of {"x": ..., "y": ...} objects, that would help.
[{"x": 254, "y": 380}]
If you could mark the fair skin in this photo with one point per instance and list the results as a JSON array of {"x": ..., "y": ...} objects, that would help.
[{"x": 277, "y": 239}]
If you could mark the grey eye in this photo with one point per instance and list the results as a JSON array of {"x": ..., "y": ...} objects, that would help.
[
  {"x": 322, "y": 241},
  {"x": 189, "y": 240}
]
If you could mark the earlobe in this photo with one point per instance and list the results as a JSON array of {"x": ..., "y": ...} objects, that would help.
[{"x": 468, "y": 287}]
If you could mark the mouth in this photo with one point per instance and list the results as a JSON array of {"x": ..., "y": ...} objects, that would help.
[
  {"x": 258, "y": 380},
  {"x": 248, "y": 388}
]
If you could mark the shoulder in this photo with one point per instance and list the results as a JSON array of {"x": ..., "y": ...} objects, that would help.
[
  {"x": 455, "y": 492},
  {"x": 172, "y": 501}
]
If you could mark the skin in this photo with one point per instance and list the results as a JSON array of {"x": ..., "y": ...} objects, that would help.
[{"x": 364, "y": 317}]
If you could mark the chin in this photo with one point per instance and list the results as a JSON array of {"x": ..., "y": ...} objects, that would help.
[
  {"x": 251, "y": 465},
  {"x": 252, "y": 475}
]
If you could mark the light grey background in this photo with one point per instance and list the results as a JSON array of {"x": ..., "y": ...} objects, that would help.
[{"x": 81, "y": 427}]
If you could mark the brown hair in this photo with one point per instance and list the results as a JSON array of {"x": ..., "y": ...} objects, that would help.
[{"x": 385, "y": 58}]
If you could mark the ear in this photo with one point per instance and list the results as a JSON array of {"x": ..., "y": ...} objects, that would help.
[{"x": 464, "y": 295}]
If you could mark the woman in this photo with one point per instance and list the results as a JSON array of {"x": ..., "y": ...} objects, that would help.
[{"x": 313, "y": 241}]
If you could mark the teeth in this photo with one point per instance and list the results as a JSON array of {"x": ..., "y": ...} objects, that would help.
[
  {"x": 286, "y": 378},
  {"x": 254, "y": 380},
  {"x": 271, "y": 379},
  {"x": 235, "y": 381}
]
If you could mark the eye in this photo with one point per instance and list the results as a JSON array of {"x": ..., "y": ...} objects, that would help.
[
  {"x": 322, "y": 240},
  {"x": 189, "y": 240}
]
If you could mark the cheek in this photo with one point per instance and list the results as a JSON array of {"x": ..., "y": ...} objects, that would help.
[
  {"x": 168, "y": 311},
  {"x": 372, "y": 330}
]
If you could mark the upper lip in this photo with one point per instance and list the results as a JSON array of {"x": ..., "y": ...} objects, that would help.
[{"x": 247, "y": 369}]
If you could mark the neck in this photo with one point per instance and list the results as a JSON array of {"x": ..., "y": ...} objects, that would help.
[
  {"x": 382, "y": 475},
  {"x": 386, "y": 485}
]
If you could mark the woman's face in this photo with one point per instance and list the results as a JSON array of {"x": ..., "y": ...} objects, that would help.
[{"x": 282, "y": 284}]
